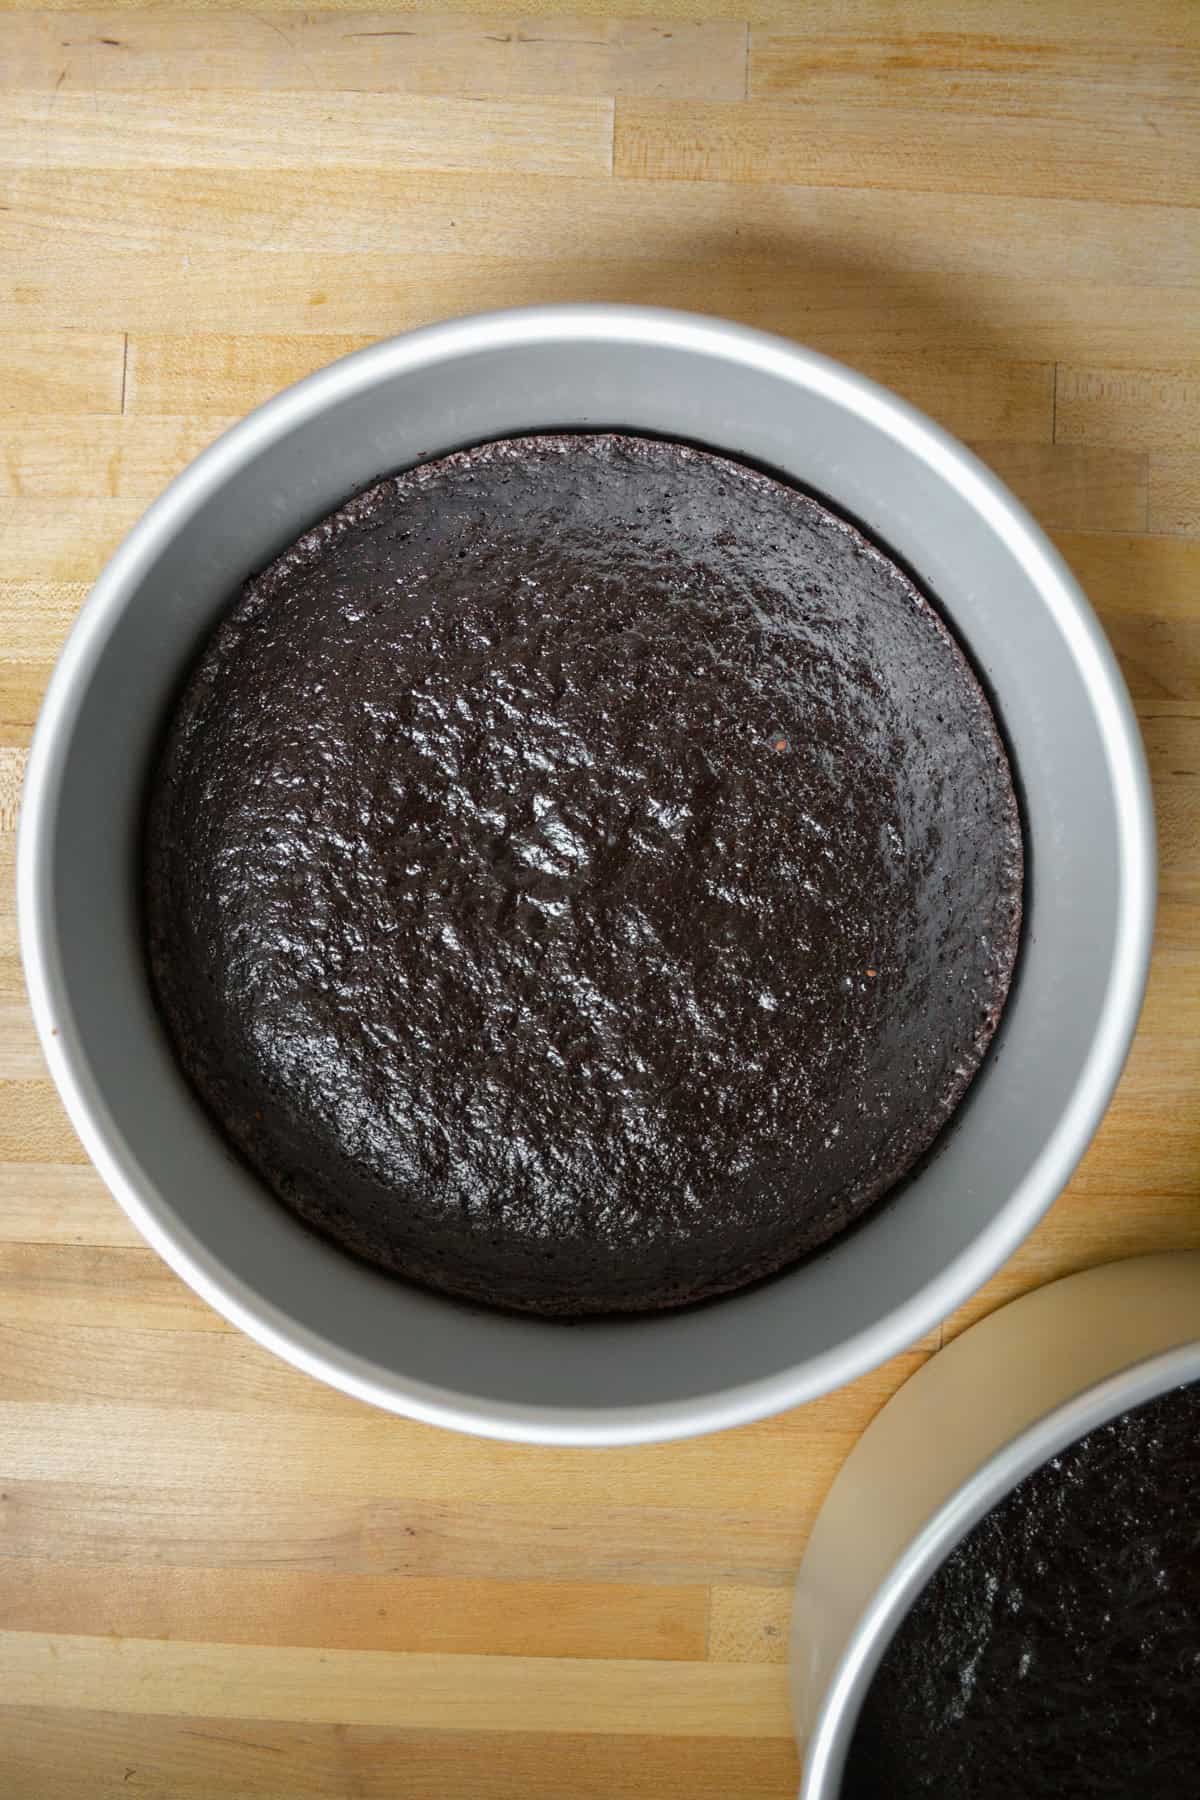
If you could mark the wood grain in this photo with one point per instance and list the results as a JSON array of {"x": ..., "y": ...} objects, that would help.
[
  {"x": 427, "y": 1691},
  {"x": 859, "y": 231},
  {"x": 41, "y": 539},
  {"x": 845, "y": 312},
  {"x": 244, "y": 1527},
  {"x": 12, "y": 776},
  {"x": 1156, "y": 410},
  {"x": 101, "y": 1756},
  {"x": 59, "y": 1203},
  {"x": 218, "y": 1579},
  {"x": 34, "y": 620},
  {"x": 356, "y": 1453},
  {"x": 358, "y": 1612},
  {"x": 371, "y": 52},
  {"x": 749, "y": 1624},
  {"x": 215, "y": 130},
  {"x": 1123, "y": 572},
  {"x": 914, "y": 22},
  {"x": 65, "y": 456},
  {"x": 22, "y": 685},
  {"x": 1004, "y": 138},
  {"x": 1174, "y": 491},
  {"x": 77, "y": 372},
  {"x": 20, "y": 1054},
  {"x": 1147, "y": 409},
  {"x": 97, "y": 1285},
  {"x": 1071, "y": 487},
  {"x": 962, "y": 69},
  {"x": 36, "y": 616}
]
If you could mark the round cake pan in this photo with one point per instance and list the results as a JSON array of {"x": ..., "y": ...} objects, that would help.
[
  {"x": 1089, "y": 902},
  {"x": 978, "y": 1418}
]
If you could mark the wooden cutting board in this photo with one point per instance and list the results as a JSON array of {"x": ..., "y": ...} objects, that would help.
[{"x": 217, "y": 1578}]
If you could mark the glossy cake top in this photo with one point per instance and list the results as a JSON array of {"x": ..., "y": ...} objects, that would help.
[{"x": 583, "y": 874}]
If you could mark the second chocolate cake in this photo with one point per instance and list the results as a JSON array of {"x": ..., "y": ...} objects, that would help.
[
  {"x": 1055, "y": 1654},
  {"x": 582, "y": 875}
]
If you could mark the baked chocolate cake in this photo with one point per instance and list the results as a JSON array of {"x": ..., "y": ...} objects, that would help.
[
  {"x": 1055, "y": 1655},
  {"x": 582, "y": 875}
]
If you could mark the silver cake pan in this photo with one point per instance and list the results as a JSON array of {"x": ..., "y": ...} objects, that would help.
[{"x": 1078, "y": 760}]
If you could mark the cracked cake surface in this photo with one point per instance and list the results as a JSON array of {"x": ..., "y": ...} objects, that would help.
[{"x": 582, "y": 874}]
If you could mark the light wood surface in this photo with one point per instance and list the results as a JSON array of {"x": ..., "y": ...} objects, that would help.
[{"x": 218, "y": 1579}]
